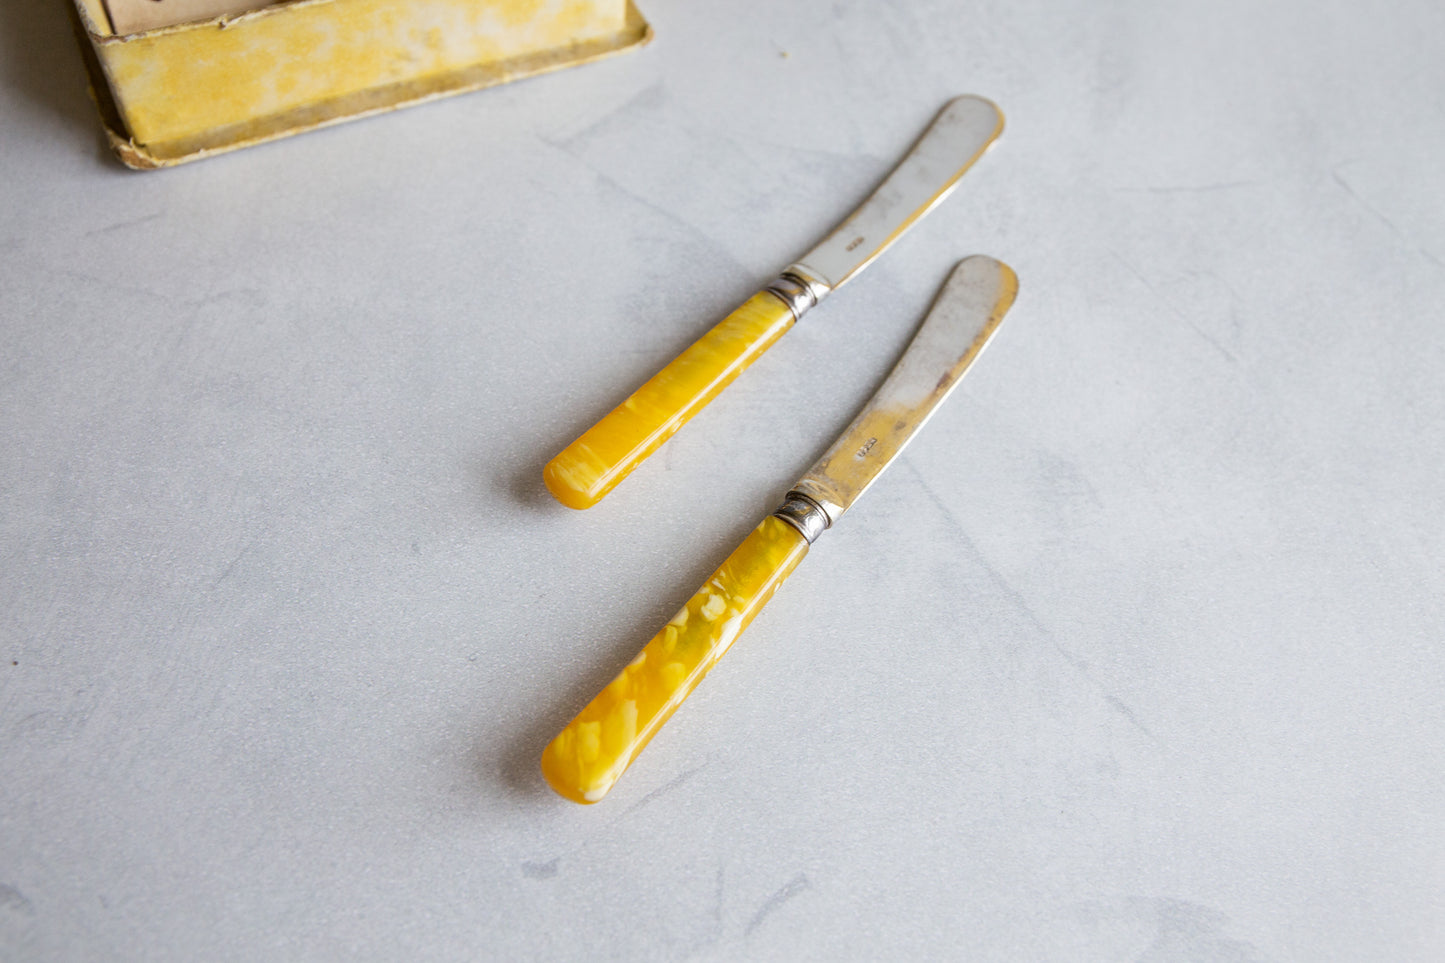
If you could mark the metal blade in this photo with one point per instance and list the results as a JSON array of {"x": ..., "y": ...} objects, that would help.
[
  {"x": 965, "y": 316},
  {"x": 964, "y": 129}
]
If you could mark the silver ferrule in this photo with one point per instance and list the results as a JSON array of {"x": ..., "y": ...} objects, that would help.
[
  {"x": 800, "y": 289},
  {"x": 804, "y": 514},
  {"x": 823, "y": 493}
]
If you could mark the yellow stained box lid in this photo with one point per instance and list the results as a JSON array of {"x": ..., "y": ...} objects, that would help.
[{"x": 182, "y": 91}]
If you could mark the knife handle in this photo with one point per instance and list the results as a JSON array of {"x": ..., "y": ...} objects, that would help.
[
  {"x": 588, "y": 756},
  {"x": 591, "y": 466}
]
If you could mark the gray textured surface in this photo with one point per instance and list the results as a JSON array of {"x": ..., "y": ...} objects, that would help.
[{"x": 1136, "y": 655}]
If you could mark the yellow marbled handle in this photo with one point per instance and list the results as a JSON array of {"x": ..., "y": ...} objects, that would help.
[
  {"x": 591, "y": 466},
  {"x": 588, "y": 756}
]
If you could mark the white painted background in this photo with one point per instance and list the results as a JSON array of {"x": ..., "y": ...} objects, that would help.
[{"x": 1138, "y": 654}]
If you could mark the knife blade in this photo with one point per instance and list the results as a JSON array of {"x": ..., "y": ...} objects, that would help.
[
  {"x": 586, "y": 759},
  {"x": 586, "y": 470}
]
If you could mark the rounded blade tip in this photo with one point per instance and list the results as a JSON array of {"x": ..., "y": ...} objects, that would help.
[{"x": 974, "y": 107}]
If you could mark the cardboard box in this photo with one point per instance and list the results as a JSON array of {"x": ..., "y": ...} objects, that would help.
[{"x": 179, "y": 93}]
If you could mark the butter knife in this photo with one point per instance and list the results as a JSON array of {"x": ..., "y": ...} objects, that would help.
[
  {"x": 586, "y": 470},
  {"x": 585, "y": 760}
]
